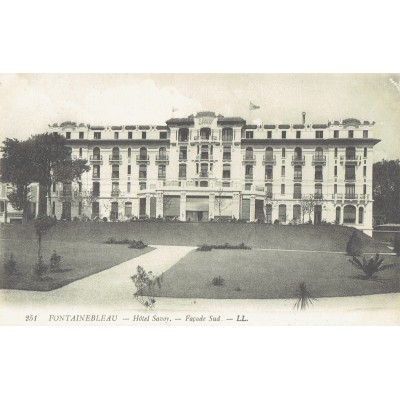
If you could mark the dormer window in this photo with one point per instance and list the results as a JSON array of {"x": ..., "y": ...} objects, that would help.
[
  {"x": 319, "y": 134},
  {"x": 129, "y": 135},
  {"x": 97, "y": 135},
  {"x": 163, "y": 135},
  {"x": 68, "y": 135},
  {"x": 116, "y": 135},
  {"x": 143, "y": 134},
  {"x": 81, "y": 135},
  {"x": 351, "y": 134}
]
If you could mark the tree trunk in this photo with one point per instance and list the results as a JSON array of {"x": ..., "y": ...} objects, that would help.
[{"x": 39, "y": 247}]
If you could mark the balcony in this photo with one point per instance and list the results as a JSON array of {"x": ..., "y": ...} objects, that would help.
[
  {"x": 95, "y": 176},
  {"x": 113, "y": 159},
  {"x": 297, "y": 196},
  {"x": 350, "y": 159},
  {"x": 269, "y": 195},
  {"x": 296, "y": 160},
  {"x": 298, "y": 178},
  {"x": 205, "y": 157},
  {"x": 142, "y": 159},
  {"x": 116, "y": 193},
  {"x": 227, "y": 157},
  {"x": 96, "y": 160},
  {"x": 249, "y": 159},
  {"x": 319, "y": 160},
  {"x": 205, "y": 138},
  {"x": 204, "y": 174},
  {"x": 164, "y": 159},
  {"x": 115, "y": 175},
  {"x": 182, "y": 157},
  {"x": 269, "y": 160},
  {"x": 351, "y": 196},
  {"x": 248, "y": 176}
]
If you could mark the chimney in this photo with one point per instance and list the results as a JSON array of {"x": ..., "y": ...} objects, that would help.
[{"x": 304, "y": 117}]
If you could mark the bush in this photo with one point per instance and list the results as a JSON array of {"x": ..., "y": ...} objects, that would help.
[
  {"x": 226, "y": 246},
  {"x": 276, "y": 222},
  {"x": 40, "y": 268},
  {"x": 217, "y": 281},
  {"x": 55, "y": 261},
  {"x": 204, "y": 247},
  {"x": 370, "y": 267},
  {"x": 10, "y": 265},
  {"x": 105, "y": 219},
  {"x": 396, "y": 244},
  {"x": 303, "y": 297},
  {"x": 137, "y": 244},
  {"x": 145, "y": 283},
  {"x": 354, "y": 245}
]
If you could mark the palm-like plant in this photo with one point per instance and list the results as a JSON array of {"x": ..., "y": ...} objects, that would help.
[
  {"x": 370, "y": 267},
  {"x": 304, "y": 298}
]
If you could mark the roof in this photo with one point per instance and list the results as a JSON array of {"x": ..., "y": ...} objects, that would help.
[{"x": 320, "y": 126}]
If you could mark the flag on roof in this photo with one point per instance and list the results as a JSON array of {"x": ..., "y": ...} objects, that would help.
[{"x": 253, "y": 106}]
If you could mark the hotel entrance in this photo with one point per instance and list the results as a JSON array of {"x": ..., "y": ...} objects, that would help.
[{"x": 197, "y": 209}]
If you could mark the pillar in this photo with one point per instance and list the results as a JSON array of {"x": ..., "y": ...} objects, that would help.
[
  {"x": 160, "y": 204},
  {"x": 183, "y": 206},
  {"x": 211, "y": 207},
  {"x": 252, "y": 208},
  {"x": 236, "y": 205}
]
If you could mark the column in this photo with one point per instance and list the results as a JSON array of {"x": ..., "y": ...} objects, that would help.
[
  {"x": 211, "y": 207},
  {"x": 148, "y": 205},
  {"x": 183, "y": 206},
  {"x": 135, "y": 207},
  {"x": 160, "y": 204},
  {"x": 252, "y": 208},
  {"x": 236, "y": 205}
]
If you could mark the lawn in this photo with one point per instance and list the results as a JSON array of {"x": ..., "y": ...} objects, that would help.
[
  {"x": 257, "y": 274},
  {"x": 79, "y": 260},
  {"x": 302, "y": 237}
]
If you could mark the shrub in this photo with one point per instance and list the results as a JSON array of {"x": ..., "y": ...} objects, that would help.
[
  {"x": 354, "y": 245},
  {"x": 10, "y": 265},
  {"x": 75, "y": 219},
  {"x": 396, "y": 244},
  {"x": 204, "y": 247},
  {"x": 137, "y": 244},
  {"x": 218, "y": 281},
  {"x": 226, "y": 246},
  {"x": 370, "y": 267},
  {"x": 303, "y": 296},
  {"x": 276, "y": 222},
  {"x": 145, "y": 283},
  {"x": 105, "y": 219},
  {"x": 40, "y": 268},
  {"x": 55, "y": 261}
]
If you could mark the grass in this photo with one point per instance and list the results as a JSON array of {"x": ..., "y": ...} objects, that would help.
[
  {"x": 79, "y": 260},
  {"x": 302, "y": 237},
  {"x": 257, "y": 274}
]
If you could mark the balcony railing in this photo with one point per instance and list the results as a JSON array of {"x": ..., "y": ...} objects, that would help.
[
  {"x": 67, "y": 193},
  {"x": 205, "y": 138},
  {"x": 205, "y": 157},
  {"x": 298, "y": 160},
  {"x": 319, "y": 160},
  {"x": 142, "y": 159},
  {"x": 269, "y": 160},
  {"x": 182, "y": 157},
  {"x": 298, "y": 178},
  {"x": 95, "y": 176},
  {"x": 113, "y": 159},
  {"x": 248, "y": 176},
  {"x": 350, "y": 159},
  {"x": 116, "y": 193},
  {"x": 162, "y": 159},
  {"x": 269, "y": 195},
  {"x": 204, "y": 174},
  {"x": 226, "y": 157},
  {"x": 96, "y": 159},
  {"x": 350, "y": 196},
  {"x": 115, "y": 175},
  {"x": 249, "y": 159}
]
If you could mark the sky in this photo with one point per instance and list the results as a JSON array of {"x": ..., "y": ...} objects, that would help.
[{"x": 29, "y": 102}]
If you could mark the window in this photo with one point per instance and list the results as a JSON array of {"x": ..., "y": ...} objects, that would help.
[
  {"x": 298, "y": 134},
  {"x": 183, "y": 135},
  {"x": 283, "y": 152},
  {"x": 129, "y": 169},
  {"x": 319, "y": 134},
  {"x": 54, "y": 186},
  {"x": 128, "y": 187},
  {"x": 283, "y": 170},
  {"x": 96, "y": 172},
  {"x": 269, "y": 134},
  {"x": 350, "y": 153},
  {"x": 226, "y": 153},
  {"x": 249, "y": 154},
  {"x": 203, "y": 184},
  {"x": 283, "y": 134},
  {"x": 115, "y": 154},
  {"x": 80, "y": 187},
  {"x": 349, "y": 214},
  {"x": 96, "y": 154},
  {"x": 282, "y": 188},
  {"x": 319, "y": 154},
  {"x": 268, "y": 213},
  {"x": 350, "y": 191},
  {"x": 282, "y": 213},
  {"x": 129, "y": 152},
  {"x": 142, "y": 171},
  {"x": 163, "y": 135},
  {"x": 128, "y": 209},
  {"x": 204, "y": 152},
  {"x": 80, "y": 208},
  {"x": 80, "y": 152},
  {"x": 96, "y": 189},
  {"x": 318, "y": 191},
  {"x": 161, "y": 171},
  {"x": 183, "y": 153},
  {"x": 318, "y": 172},
  {"x": 249, "y": 134},
  {"x": 365, "y": 170},
  {"x": 130, "y": 135},
  {"x": 182, "y": 171},
  {"x": 297, "y": 213},
  {"x": 269, "y": 172},
  {"x": 350, "y": 173},
  {"x": 247, "y": 186},
  {"x": 364, "y": 189},
  {"x": 335, "y": 188},
  {"x": 298, "y": 172},
  {"x": 297, "y": 191},
  {"x": 336, "y": 152},
  {"x": 143, "y": 134},
  {"x": 365, "y": 134},
  {"x": 143, "y": 154},
  {"x": 226, "y": 171},
  {"x": 227, "y": 134},
  {"x": 116, "y": 135},
  {"x": 115, "y": 171},
  {"x": 142, "y": 185},
  {"x": 351, "y": 134},
  {"x": 336, "y": 134},
  {"x": 335, "y": 170},
  {"x": 268, "y": 190},
  {"x": 53, "y": 208},
  {"x": 365, "y": 152},
  {"x": 269, "y": 154},
  {"x": 248, "y": 172},
  {"x": 298, "y": 153},
  {"x": 81, "y": 135},
  {"x": 162, "y": 153},
  {"x": 97, "y": 135},
  {"x": 361, "y": 215},
  {"x": 68, "y": 135},
  {"x": 205, "y": 133}
]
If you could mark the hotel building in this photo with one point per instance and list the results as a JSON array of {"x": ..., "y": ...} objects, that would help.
[{"x": 208, "y": 166}]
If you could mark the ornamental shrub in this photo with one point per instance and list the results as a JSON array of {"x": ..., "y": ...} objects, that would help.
[{"x": 55, "y": 261}]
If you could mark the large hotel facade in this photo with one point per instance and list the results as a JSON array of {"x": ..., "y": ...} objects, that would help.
[{"x": 208, "y": 166}]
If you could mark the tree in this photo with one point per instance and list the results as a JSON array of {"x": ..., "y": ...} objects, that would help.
[
  {"x": 308, "y": 204},
  {"x": 220, "y": 200},
  {"x": 42, "y": 225},
  {"x": 16, "y": 168},
  {"x": 386, "y": 189}
]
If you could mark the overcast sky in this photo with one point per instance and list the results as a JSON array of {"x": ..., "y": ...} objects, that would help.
[{"x": 28, "y": 103}]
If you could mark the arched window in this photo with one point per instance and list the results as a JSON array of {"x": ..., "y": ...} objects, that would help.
[
  {"x": 143, "y": 154},
  {"x": 129, "y": 152},
  {"x": 227, "y": 135},
  {"x": 96, "y": 153},
  {"x": 205, "y": 133},
  {"x": 249, "y": 153},
  {"x": 298, "y": 153},
  {"x": 297, "y": 213},
  {"x": 349, "y": 214},
  {"x": 338, "y": 210},
  {"x": 361, "y": 215},
  {"x": 183, "y": 134},
  {"x": 115, "y": 153},
  {"x": 269, "y": 154},
  {"x": 128, "y": 209},
  {"x": 282, "y": 213},
  {"x": 319, "y": 153}
]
